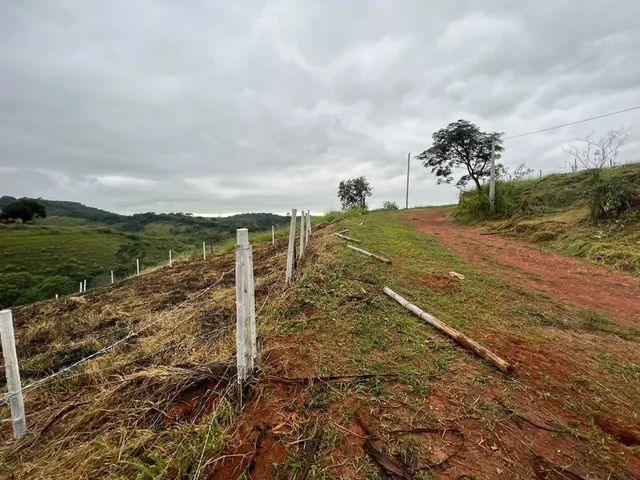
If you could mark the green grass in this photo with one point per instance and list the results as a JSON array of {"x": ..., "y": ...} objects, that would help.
[{"x": 345, "y": 324}]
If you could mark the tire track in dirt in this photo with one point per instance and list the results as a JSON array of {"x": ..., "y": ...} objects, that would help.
[{"x": 574, "y": 281}]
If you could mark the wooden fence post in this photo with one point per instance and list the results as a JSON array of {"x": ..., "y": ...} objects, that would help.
[
  {"x": 292, "y": 246},
  {"x": 302, "y": 234},
  {"x": 12, "y": 373}
]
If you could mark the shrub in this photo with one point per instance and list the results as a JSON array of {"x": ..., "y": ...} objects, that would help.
[
  {"x": 386, "y": 205},
  {"x": 13, "y": 285},
  {"x": 474, "y": 204},
  {"x": 608, "y": 196},
  {"x": 47, "y": 289}
]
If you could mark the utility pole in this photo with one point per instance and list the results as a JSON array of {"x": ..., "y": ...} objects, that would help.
[
  {"x": 406, "y": 204},
  {"x": 492, "y": 180}
]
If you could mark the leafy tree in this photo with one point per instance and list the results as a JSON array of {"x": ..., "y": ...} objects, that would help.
[
  {"x": 461, "y": 145},
  {"x": 387, "y": 205},
  {"x": 24, "y": 209},
  {"x": 353, "y": 192}
]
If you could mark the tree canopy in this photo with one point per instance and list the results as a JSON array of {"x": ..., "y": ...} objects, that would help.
[
  {"x": 353, "y": 192},
  {"x": 23, "y": 209},
  {"x": 461, "y": 145}
]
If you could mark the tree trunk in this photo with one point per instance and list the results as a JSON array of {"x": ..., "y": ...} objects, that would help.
[{"x": 477, "y": 182}]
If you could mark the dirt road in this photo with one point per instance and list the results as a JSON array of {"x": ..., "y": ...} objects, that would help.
[{"x": 572, "y": 280}]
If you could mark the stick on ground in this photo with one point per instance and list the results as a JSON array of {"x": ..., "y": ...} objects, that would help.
[
  {"x": 459, "y": 337},
  {"x": 344, "y": 237},
  {"x": 369, "y": 254}
]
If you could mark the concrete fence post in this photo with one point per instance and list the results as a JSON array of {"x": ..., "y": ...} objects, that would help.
[
  {"x": 84, "y": 285},
  {"x": 204, "y": 251},
  {"x": 273, "y": 235},
  {"x": 170, "y": 259},
  {"x": 137, "y": 266},
  {"x": 302, "y": 234},
  {"x": 292, "y": 246},
  {"x": 111, "y": 276},
  {"x": 245, "y": 307},
  {"x": 80, "y": 287},
  {"x": 12, "y": 372}
]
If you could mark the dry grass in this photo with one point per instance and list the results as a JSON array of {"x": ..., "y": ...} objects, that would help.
[{"x": 155, "y": 406}]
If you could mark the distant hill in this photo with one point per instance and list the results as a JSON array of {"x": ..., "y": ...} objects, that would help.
[{"x": 138, "y": 221}]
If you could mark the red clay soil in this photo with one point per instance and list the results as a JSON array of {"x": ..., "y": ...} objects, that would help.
[{"x": 572, "y": 280}]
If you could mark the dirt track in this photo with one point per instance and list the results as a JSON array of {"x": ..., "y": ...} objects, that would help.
[{"x": 572, "y": 280}]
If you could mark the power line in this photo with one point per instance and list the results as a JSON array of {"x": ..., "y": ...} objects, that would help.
[{"x": 572, "y": 123}]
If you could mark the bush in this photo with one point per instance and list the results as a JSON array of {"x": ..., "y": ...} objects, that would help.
[
  {"x": 47, "y": 289},
  {"x": 609, "y": 197},
  {"x": 13, "y": 285},
  {"x": 386, "y": 205},
  {"x": 474, "y": 204}
]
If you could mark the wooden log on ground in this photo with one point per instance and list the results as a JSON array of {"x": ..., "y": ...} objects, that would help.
[
  {"x": 369, "y": 254},
  {"x": 344, "y": 237},
  {"x": 343, "y": 231},
  {"x": 459, "y": 337}
]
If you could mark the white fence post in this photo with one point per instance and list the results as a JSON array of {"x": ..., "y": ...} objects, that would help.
[
  {"x": 204, "y": 251},
  {"x": 273, "y": 235},
  {"x": 137, "y": 266},
  {"x": 292, "y": 246},
  {"x": 56, "y": 296},
  {"x": 245, "y": 306},
  {"x": 302, "y": 230},
  {"x": 111, "y": 276},
  {"x": 308, "y": 230},
  {"x": 12, "y": 372},
  {"x": 170, "y": 259},
  {"x": 250, "y": 306},
  {"x": 84, "y": 285},
  {"x": 80, "y": 287}
]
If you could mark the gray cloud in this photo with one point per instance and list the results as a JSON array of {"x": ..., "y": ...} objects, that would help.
[{"x": 218, "y": 107}]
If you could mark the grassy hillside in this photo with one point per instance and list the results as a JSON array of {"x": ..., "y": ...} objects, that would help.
[
  {"x": 344, "y": 373},
  {"x": 557, "y": 212},
  {"x": 74, "y": 242}
]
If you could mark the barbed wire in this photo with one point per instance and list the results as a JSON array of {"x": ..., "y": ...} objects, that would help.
[{"x": 116, "y": 343}]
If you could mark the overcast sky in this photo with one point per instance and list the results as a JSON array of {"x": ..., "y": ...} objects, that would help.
[{"x": 220, "y": 107}]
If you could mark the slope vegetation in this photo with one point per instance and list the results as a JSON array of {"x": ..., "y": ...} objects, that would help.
[{"x": 556, "y": 212}]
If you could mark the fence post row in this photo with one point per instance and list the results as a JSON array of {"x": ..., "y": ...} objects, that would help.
[
  {"x": 291, "y": 247},
  {"x": 12, "y": 372},
  {"x": 245, "y": 307}
]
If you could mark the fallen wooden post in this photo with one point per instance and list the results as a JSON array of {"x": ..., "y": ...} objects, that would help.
[
  {"x": 343, "y": 231},
  {"x": 369, "y": 254},
  {"x": 459, "y": 337},
  {"x": 344, "y": 237}
]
